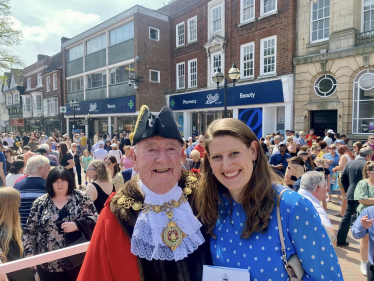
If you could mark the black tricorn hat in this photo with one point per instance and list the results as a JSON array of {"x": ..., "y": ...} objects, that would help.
[{"x": 149, "y": 125}]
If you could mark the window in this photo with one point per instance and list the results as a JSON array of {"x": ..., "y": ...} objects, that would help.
[
  {"x": 9, "y": 100},
  {"x": 122, "y": 34},
  {"x": 325, "y": 85},
  {"x": 192, "y": 73},
  {"x": 16, "y": 99},
  {"x": 96, "y": 44},
  {"x": 53, "y": 104},
  {"x": 28, "y": 83},
  {"x": 216, "y": 18},
  {"x": 37, "y": 103},
  {"x": 368, "y": 18},
  {"x": 363, "y": 102},
  {"x": 75, "y": 85},
  {"x": 192, "y": 29},
  {"x": 122, "y": 74},
  {"x": 268, "y": 6},
  {"x": 76, "y": 53},
  {"x": 48, "y": 83},
  {"x": 247, "y": 10},
  {"x": 180, "y": 76},
  {"x": 247, "y": 60},
  {"x": 27, "y": 104},
  {"x": 39, "y": 80},
  {"x": 154, "y": 33},
  {"x": 154, "y": 76},
  {"x": 96, "y": 80},
  {"x": 180, "y": 34},
  {"x": 55, "y": 81},
  {"x": 268, "y": 55},
  {"x": 216, "y": 61},
  {"x": 46, "y": 107},
  {"x": 320, "y": 20}
]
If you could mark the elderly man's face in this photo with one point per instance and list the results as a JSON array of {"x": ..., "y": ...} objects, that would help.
[
  {"x": 201, "y": 142},
  {"x": 158, "y": 161}
]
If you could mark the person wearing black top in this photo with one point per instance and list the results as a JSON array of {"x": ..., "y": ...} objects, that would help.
[
  {"x": 76, "y": 156},
  {"x": 295, "y": 170},
  {"x": 66, "y": 159},
  {"x": 25, "y": 140},
  {"x": 107, "y": 146}
]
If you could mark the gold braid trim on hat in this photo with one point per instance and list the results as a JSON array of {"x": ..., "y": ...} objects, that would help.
[{"x": 140, "y": 116}]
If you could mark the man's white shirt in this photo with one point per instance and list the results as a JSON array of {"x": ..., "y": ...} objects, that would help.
[
  {"x": 100, "y": 153},
  {"x": 328, "y": 140}
]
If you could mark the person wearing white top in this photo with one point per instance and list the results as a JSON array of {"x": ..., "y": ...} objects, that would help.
[
  {"x": 9, "y": 140},
  {"x": 100, "y": 153},
  {"x": 15, "y": 172},
  {"x": 277, "y": 140},
  {"x": 115, "y": 152},
  {"x": 313, "y": 187}
]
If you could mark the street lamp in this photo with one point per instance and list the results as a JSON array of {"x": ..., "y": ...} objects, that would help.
[
  {"x": 218, "y": 77},
  {"x": 74, "y": 105}
]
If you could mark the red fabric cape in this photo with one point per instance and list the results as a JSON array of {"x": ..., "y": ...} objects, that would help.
[{"x": 109, "y": 255}]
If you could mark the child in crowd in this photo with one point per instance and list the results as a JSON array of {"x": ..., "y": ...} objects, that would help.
[{"x": 86, "y": 160}]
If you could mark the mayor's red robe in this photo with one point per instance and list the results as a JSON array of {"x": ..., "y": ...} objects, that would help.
[{"x": 109, "y": 255}]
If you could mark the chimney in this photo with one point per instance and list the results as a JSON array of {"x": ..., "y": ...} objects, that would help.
[
  {"x": 40, "y": 57},
  {"x": 64, "y": 39}
]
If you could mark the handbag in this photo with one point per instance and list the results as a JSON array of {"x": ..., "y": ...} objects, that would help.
[
  {"x": 293, "y": 265},
  {"x": 74, "y": 261}
]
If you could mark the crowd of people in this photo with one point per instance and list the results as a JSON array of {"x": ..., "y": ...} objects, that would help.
[{"x": 45, "y": 204}]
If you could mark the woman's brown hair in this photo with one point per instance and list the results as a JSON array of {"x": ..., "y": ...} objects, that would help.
[
  {"x": 310, "y": 159},
  {"x": 10, "y": 226},
  {"x": 369, "y": 166},
  {"x": 116, "y": 166},
  {"x": 345, "y": 150},
  {"x": 358, "y": 144},
  {"x": 258, "y": 196},
  {"x": 64, "y": 151},
  {"x": 102, "y": 173}
]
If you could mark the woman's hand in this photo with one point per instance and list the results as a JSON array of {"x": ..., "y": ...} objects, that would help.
[
  {"x": 335, "y": 169},
  {"x": 68, "y": 227}
]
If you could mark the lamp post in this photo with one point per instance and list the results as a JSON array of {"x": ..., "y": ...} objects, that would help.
[
  {"x": 74, "y": 105},
  {"x": 218, "y": 77}
]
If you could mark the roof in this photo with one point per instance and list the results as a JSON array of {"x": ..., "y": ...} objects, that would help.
[
  {"x": 55, "y": 62},
  {"x": 18, "y": 76}
]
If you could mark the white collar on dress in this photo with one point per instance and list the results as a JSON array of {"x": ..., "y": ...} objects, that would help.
[{"x": 146, "y": 241}]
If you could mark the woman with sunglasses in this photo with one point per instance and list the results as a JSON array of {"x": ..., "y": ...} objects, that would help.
[
  {"x": 306, "y": 155},
  {"x": 8, "y": 153},
  {"x": 114, "y": 170},
  {"x": 356, "y": 148},
  {"x": 333, "y": 161},
  {"x": 371, "y": 144},
  {"x": 295, "y": 170}
]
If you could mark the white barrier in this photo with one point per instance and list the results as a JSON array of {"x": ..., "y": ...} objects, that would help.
[{"x": 43, "y": 258}]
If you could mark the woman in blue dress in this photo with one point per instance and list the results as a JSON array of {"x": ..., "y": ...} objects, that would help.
[{"x": 237, "y": 202}]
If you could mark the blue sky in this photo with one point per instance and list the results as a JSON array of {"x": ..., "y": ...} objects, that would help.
[{"x": 44, "y": 22}]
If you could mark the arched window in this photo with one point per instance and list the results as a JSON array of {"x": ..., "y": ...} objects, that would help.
[{"x": 363, "y": 103}]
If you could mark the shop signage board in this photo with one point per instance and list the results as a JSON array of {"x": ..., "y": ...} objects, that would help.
[
  {"x": 256, "y": 93},
  {"x": 16, "y": 122},
  {"x": 107, "y": 106}
]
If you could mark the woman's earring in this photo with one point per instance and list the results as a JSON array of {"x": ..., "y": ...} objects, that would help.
[{"x": 254, "y": 164}]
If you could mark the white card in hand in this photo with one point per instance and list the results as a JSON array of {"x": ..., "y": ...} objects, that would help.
[{"x": 216, "y": 273}]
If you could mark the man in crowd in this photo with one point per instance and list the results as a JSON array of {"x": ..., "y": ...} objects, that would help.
[
  {"x": 200, "y": 146},
  {"x": 279, "y": 160},
  {"x": 311, "y": 137},
  {"x": 277, "y": 140},
  {"x": 52, "y": 158},
  {"x": 42, "y": 151},
  {"x": 32, "y": 144},
  {"x": 83, "y": 142},
  {"x": 25, "y": 140},
  {"x": 100, "y": 153},
  {"x": 2, "y": 166},
  {"x": 118, "y": 244},
  {"x": 96, "y": 145},
  {"x": 190, "y": 146},
  {"x": 32, "y": 187},
  {"x": 51, "y": 151},
  {"x": 351, "y": 175},
  {"x": 27, "y": 154},
  {"x": 339, "y": 143},
  {"x": 329, "y": 134},
  {"x": 301, "y": 139}
]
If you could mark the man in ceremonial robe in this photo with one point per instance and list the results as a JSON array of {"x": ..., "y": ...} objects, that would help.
[{"x": 148, "y": 229}]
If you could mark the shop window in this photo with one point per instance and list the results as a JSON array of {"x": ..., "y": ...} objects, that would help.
[
  {"x": 192, "y": 73},
  {"x": 268, "y": 55},
  {"x": 247, "y": 60},
  {"x": 55, "y": 81},
  {"x": 75, "y": 85},
  {"x": 180, "y": 76},
  {"x": 363, "y": 103},
  {"x": 320, "y": 23},
  {"x": 154, "y": 76},
  {"x": 122, "y": 74},
  {"x": 154, "y": 33},
  {"x": 325, "y": 85},
  {"x": 27, "y": 104},
  {"x": 247, "y": 10},
  {"x": 96, "y": 80},
  {"x": 122, "y": 34},
  {"x": 48, "y": 83},
  {"x": 96, "y": 44},
  {"x": 268, "y": 7},
  {"x": 192, "y": 29},
  {"x": 180, "y": 34},
  {"x": 216, "y": 18},
  {"x": 76, "y": 53},
  {"x": 368, "y": 16}
]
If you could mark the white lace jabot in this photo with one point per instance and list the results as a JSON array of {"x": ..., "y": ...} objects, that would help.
[{"x": 146, "y": 241}]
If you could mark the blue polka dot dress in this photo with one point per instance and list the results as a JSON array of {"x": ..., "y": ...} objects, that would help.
[{"x": 261, "y": 252}]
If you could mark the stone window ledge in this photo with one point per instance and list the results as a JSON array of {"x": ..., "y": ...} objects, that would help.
[
  {"x": 268, "y": 15},
  {"x": 317, "y": 44},
  {"x": 247, "y": 22}
]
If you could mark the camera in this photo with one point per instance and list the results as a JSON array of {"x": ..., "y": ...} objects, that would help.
[{"x": 130, "y": 83}]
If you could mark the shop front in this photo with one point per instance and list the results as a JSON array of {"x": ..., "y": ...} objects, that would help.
[
  {"x": 34, "y": 124},
  {"x": 52, "y": 125},
  {"x": 4, "y": 126},
  {"x": 265, "y": 106},
  {"x": 103, "y": 116},
  {"x": 16, "y": 125}
]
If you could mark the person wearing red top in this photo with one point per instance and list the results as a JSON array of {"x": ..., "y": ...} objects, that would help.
[
  {"x": 200, "y": 146},
  {"x": 310, "y": 137}
]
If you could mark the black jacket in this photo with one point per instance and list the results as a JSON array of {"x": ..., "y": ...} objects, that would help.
[{"x": 351, "y": 175}]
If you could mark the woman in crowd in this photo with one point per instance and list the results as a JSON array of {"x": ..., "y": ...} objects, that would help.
[
  {"x": 114, "y": 140},
  {"x": 101, "y": 187},
  {"x": 15, "y": 172},
  {"x": 291, "y": 146},
  {"x": 318, "y": 139},
  {"x": 295, "y": 170},
  {"x": 86, "y": 160},
  {"x": 107, "y": 146},
  {"x": 77, "y": 162},
  {"x": 320, "y": 163},
  {"x": 55, "y": 221},
  {"x": 316, "y": 148},
  {"x": 42, "y": 139},
  {"x": 324, "y": 148},
  {"x": 115, "y": 172},
  {"x": 126, "y": 162},
  {"x": 356, "y": 148},
  {"x": 196, "y": 159},
  {"x": 115, "y": 152},
  {"x": 8, "y": 153},
  {"x": 364, "y": 193},
  {"x": 345, "y": 156},
  {"x": 66, "y": 159},
  {"x": 11, "y": 248},
  {"x": 67, "y": 141},
  {"x": 305, "y": 154},
  {"x": 237, "y": 200},
  {"x": 332, "y": 159}
]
